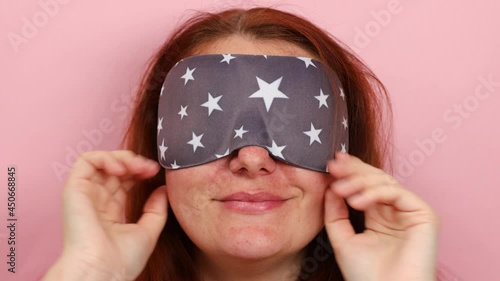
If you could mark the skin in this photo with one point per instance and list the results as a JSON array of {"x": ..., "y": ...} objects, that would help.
[
  {"x": 399, "y": 243},
  {"x": 269, "y": 242}
]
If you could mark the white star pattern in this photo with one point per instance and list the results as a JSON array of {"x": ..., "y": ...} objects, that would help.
[
  {"x": 174, "y": 165},
  {"x": 188, "y": 75},
  {"x": 196, "y": 141},
  {"x": 307, "y": 61},
  {"x": 344, "y": 122},
  {"x": 313, "y": 134},
  {"x": 227, "y": 58},
  {"x": 183, "y": 111},
  {"x": 322, "y": 99},
  {"x": 342, "y": 95},
  {"x": 264, "y": 82},
  {"x": 240, "y": 132},
  {"x": 163, "y": 148},
  {"x": 212, "y": 104},
  {"x": 160, "y": 126},
  {"x": 222, "y": 155},
  {"x": 268, "y": 92},
  {"x": 276, "y": 150}
]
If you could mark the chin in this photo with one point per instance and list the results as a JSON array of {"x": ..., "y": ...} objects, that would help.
[
  {"x": 253, "y": 242},
  {"x": 251, "y": 250}
]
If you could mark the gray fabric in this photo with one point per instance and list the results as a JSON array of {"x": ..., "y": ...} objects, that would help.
[{"x": 222, "y": 93}]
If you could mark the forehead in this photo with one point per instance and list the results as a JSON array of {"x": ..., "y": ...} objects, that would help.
[{"x": 237, "y": 44}]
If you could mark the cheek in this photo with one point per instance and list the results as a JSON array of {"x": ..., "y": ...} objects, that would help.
[
  {"x": 313, "y": 206},
  {"x": 312, "y": 217},
  {"x": 313, "y": 186},
  {"x": 184, "y": 195}
]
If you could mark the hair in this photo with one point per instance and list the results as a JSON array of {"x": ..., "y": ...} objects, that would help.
[{"x": 369, "y": 133}]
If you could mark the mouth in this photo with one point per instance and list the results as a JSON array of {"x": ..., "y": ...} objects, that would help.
[
  {"x": 256, "y": 197},
  {"x": 256, "y": 203}
]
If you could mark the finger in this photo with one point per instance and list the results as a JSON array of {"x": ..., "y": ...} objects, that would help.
[
  {"x": 138, "y": 166},
  {"x": 154, "y": 214},
  {"x": 106, "y": 189},
  {"x": 393, "y": 195},
  {"x": 345, "y": 165},
  {"x": 350, "y": 185},
  {"x": 90, "y": 170},
  {"x": 337, "y": 223},
  {"x": 100, "y": 167},
  {"x": 114, "y": 207},
  {"x": 118, "y": 200},
  {"x": 116, "y": 163},
  {"x": 103, "y": 192}
]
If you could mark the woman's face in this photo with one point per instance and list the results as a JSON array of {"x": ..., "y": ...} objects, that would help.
[{"x": 248, "y": 205}]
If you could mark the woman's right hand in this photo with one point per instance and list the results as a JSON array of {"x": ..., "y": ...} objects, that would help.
[{"x": 96, "y": 239}]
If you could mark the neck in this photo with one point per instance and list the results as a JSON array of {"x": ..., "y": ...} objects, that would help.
[{"x": 226, "y": 268}]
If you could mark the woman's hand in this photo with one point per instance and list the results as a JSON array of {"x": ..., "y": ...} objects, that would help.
[
  {"x": 399, "y": 242},
  {"x": 96, "y": 239}
]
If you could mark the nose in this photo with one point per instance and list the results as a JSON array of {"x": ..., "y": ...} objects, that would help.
[{"x": 252, "y": 161}]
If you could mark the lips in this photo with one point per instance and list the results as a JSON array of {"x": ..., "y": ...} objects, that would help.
[
  {"x": 256, "y": 197},
  {"x": 261, "y": 202}
]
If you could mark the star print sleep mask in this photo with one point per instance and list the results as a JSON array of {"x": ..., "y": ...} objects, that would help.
[{"x": 211, "y": 105}]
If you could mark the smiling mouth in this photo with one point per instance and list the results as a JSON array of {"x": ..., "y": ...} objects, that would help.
[
  {"x": 252, "y": 203},
  {"x": 256, "y": 197},
  {"x": 249, "y": 207}
]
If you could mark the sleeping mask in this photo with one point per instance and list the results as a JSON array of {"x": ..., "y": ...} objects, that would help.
[{"x": 212, "y": 105}]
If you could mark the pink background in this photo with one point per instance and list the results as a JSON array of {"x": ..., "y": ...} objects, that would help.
[{"x": 67, "y": 85}]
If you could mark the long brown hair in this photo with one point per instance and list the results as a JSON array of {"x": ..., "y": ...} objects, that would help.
[{"x": 367, "y": 100}]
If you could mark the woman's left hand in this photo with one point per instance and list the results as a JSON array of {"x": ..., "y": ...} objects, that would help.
[{"x": 400, "y": 239}]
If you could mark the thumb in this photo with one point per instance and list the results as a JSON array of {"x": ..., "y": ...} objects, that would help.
[
  {"x": 154, "y": 214},
  {"x": 337, "y": 223}
]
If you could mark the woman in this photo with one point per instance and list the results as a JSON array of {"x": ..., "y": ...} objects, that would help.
[{"x": 354, "y": 222}]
